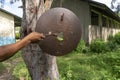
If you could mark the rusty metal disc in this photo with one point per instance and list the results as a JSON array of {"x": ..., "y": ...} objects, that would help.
[{"x": 62, "y": 22}]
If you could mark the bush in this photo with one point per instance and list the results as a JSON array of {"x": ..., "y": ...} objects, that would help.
[
  {"x": 80, "y": 46},
  {"x": 17, "y": 35},
  {"x": 117, "y": 38},
  {"x": 110, "y": 38},
  {"x": 2, "y": 68},
  {"x": 113, "y": 62},
  {"x": 113, "y": 42},
  {"x": 112, "y": 46},
  {"x": 20, "y": 71},
  {"x": 98, "y": 46},
  {"x": 17, "y": 32},
  {"x": 90, "y": 66}
]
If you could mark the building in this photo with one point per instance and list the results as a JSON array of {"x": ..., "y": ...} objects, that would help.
[
  {"x": 8, "y": 22},
  {"x": 97, "y": 20}
]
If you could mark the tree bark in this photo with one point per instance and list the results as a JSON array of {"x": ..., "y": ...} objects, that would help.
[{"x": 41, "y": 66}]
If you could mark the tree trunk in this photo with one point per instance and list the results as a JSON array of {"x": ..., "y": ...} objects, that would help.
[{"x": 41, "y": 66}]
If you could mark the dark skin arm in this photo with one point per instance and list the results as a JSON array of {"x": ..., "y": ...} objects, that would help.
[{"x": 8, "y": 51}]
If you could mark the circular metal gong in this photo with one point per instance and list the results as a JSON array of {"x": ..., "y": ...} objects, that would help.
[{"x": 65, "y": 26}]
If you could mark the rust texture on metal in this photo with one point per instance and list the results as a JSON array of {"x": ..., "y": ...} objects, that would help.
[{"x": 57, "y": 21}]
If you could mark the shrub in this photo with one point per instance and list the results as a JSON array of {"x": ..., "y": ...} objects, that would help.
[
  {"x": 113, "y": 42},
  {"x": 17, "y": 34},
  {"x": 117, "y": 38},
  {"x": 113, "y": 62},
  {"x": 2, "y": 68},
  {"x": 90, "y": 67},
  {"x": 98, "y": 46},
  {"x": 110, "y": 38},
  {"x": 112, "y": 46},
  {"x": 82, "y": 47},
  {"x": 20, "y": 71}
]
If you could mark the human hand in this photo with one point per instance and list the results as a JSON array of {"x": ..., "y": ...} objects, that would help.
[{"x": 35, "y": 36}]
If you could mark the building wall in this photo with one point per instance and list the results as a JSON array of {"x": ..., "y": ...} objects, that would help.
[
  {"x": 81, "y": 9},
  {"x": 102, "y": 26},
  {"x": 94, "y": 32},
  {"x": 7, "y": 35},
  {"x": 91, "y": 29}
]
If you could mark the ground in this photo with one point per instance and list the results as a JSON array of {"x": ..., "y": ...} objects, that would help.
[{"x": 75, "y": 66}]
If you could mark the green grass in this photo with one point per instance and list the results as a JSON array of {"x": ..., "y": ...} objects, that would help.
[
  {"x": 90, "y": 66},
  {"x": 6, "y": 64},
  {"x": 2, "y": 68}
]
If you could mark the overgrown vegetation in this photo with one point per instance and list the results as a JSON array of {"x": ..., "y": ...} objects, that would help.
[
  {"x": 101, "y": 61},
  {"x": 20, "y": 72},
  {"x": 98, "y": 46},
  {"x": 2, "y": 68},
  {"x": 17, "y": 32},
  {"x": 98, "y": 61},
  {"x": 90, "y": 66}
]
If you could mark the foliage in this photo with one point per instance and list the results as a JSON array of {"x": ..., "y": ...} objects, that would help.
[
  {"x": 110, "y": 38},
  {"x": 17, "y": 32},
  {"x": 114, "y": 6},
  {"x": 81, "y": 46},
  {"x": 98, "y": 46},
  {"x": 90, "y": 66},
  {"x": 2, "y": 67},
  {"x": 113, "y": 60},
  {"x": 17, "y": 35},
  {"x": 82, "y": 67},
  {"x": 20, "y": 71},
  {"x": 119, "y": 14},
  {"x": 3, "y": 1},
  {"x": 117, "y": 38},
  {"x": 114, "y": 42},
  {"x": 112, "y": 45},
  {"x": 85, "y": 66}
]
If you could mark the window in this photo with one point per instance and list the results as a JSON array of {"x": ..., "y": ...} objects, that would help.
[
  {"x": 104, "y": 21},
  {"x": 94, "y": 18},
  {"x": 110, "y": 23}
]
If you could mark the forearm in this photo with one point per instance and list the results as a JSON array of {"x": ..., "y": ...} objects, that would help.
[{"x": 9, "y": 50}]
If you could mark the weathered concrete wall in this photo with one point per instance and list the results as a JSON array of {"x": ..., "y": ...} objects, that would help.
[
  {"x": 81, "y": 9},
  {"x": 7, "y": 35},
  {"x": 94, "y": 32}
]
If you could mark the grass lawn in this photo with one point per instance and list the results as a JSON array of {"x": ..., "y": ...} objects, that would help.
[{"x": 89, "y": 66}]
